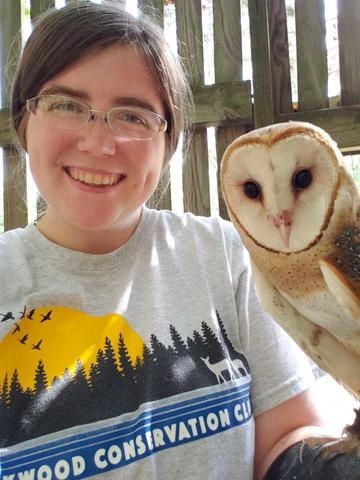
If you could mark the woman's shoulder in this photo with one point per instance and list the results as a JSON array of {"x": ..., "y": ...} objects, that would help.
[
  {"x": 213, "y": 231},
  {"x": 187, "y": 221},
  {"x": 14, "y": 242}
]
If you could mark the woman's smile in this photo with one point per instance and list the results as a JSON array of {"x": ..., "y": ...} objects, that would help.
[{"x": 94, "y": 178}]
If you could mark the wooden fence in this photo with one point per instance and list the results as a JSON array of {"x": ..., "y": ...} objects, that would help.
[{"x": 231, "y": 105}]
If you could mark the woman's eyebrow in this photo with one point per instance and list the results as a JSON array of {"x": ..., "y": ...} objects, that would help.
[
  {"x": 62, "y": 90},
  {"x": 135, "y": 102}
]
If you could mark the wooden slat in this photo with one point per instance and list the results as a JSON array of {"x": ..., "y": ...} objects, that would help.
[
  {"x": 349, "y": 50},
  {"x": 5, "y": 137},
  {"x": 161, "y": 198},
  {"x": 223, "y": 101},
  {"x": 227, "y": 40},
  {"x": 312, "y": 70},
  {"x": 196, "y": 169},
  {"x": 154, "y": 8},
  {"x": 260, "y": 51},
  {"x": 343, "y": 123},
  {"x": 279, "y": 58},
  {"x": 15, "y": 212},
  {"x": 37, "y": 7},
  {"x": 15, "y": 209},
  {"x": 228, "y": 68}
]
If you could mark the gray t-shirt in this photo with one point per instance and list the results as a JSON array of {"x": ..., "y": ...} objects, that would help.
[{"x": 149, "y": 362}]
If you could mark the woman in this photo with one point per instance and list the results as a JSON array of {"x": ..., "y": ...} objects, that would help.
[{"x": 132, "y": 344}]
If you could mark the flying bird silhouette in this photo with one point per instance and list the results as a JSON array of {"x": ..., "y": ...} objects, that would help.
[
  {"x": 23, "y": 313},
  {"x": 24, "y": 339},
  {"x": 16, "y": 329},
  {"x": 30, "y": 314},
  {"x": 46, "y": 317},
  {"x": 36, "y": 346},
  {"x": 7, "y": 316}
]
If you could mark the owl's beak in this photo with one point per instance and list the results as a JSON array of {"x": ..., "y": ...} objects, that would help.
[{"x": 282, "y": 221}]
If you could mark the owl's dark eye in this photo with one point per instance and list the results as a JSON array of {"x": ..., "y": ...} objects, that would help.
[
  {"x": 302, "y": 179},
  {"x": 252, "y": 189}
]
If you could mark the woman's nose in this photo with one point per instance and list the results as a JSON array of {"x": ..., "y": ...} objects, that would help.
[{"x": 97, "y": 138}]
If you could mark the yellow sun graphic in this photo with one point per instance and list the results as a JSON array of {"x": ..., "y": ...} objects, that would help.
[{"x": 61, "y": 337}]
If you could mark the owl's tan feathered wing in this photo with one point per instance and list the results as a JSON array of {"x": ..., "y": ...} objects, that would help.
[{"x": 322, "y": 347}]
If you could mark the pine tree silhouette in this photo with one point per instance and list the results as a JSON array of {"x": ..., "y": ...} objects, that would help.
[
  {"x": 4, "y": 412},
  {"x": 81, "y": 382},
  {"x": 197, "y": 346},
  {"x": 18, "y": 404},
  {"x": 178, "y": 343},
  {"x": 127, "y": 370},
  {"x": 4, "y": 392},
  {"x": 214, "y": 348},
  {"x": 40, "y": 381},
  {"x": 233, "y": 353}
]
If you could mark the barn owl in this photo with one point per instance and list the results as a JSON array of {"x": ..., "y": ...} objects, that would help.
[{"x": 297, "y": 210}]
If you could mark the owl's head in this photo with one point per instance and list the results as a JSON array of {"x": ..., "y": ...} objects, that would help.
[{"x": 280, "y": 183}]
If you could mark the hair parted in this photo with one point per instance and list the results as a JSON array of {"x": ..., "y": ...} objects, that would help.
[{"x": 62, "y": 37}]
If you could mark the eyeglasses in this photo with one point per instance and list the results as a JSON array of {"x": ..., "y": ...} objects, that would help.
[{"x": 64, "y": 113}]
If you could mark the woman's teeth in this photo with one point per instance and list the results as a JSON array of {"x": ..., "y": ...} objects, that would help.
[{"x": 94, "y": 178}]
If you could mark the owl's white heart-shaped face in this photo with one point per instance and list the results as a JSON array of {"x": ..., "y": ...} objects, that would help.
[{"x": 280, "y": 187}]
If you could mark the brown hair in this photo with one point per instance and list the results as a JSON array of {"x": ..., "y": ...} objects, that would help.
[{"x": 62, "y": 37}]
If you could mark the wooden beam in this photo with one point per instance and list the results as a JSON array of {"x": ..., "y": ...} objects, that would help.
[
  {"x": 343, "y": 123},
  {"x": 223, "y": 101}
]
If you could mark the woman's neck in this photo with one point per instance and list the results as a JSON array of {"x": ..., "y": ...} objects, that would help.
[{"x": 99, "y": 241}]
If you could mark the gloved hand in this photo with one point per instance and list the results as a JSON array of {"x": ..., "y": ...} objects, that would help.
[{"x": 304, "y": 462}]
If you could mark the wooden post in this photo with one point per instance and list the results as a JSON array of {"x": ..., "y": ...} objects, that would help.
[
  {"x": 260, "y": 53},
  {"x": 37, "y": 7},
  {"x": 312, "y": 70},
  {"x": 279, "y": 57},
  {"x": 15, "y": 210},
  {"x": 161, "y": 198},
  {"x": 349, "y": 51},
  {"x": 228, "y": 67},
  {"x": 196, "y": 169}
]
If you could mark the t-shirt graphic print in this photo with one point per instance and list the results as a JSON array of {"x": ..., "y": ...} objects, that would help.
[{"x": 114, "y": 398}]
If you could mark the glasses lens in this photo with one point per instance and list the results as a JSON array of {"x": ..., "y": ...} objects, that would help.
[
  {"x": 134, "y": 122},
  {"x": 63, "y": 112}
]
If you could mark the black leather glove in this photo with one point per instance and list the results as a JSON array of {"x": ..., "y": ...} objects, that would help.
[{"x": 304, "y": 462}]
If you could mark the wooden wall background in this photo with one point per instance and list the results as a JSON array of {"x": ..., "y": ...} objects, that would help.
[{"x": 231, "y": 105}]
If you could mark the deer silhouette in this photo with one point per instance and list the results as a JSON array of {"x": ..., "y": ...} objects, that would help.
[
  {"x": 219, "y": 367},
  {"x": 237, "y": 364}
]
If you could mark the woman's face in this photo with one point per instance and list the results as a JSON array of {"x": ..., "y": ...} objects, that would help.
[{"x": 127, "y": 170}]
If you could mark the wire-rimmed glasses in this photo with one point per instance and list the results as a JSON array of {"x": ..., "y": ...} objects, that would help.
[{"x": 65, "y": 113}]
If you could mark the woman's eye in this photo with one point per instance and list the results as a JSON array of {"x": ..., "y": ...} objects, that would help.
[
  {"x": 302, "y": 179},
  {"x": 252, "y": 190},
  {"x": 132, "y": 118},
  {"x": 67, "y": 106}
]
